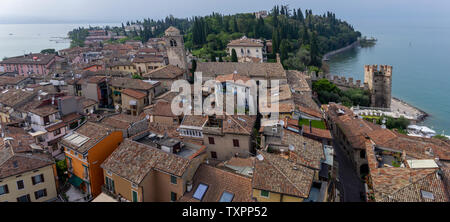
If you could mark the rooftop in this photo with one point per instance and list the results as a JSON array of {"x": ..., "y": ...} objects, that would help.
[
  {"x": 37, "y": 58},
  {"x": 130, "y": 83},
  {"x": 134, "y": 160},
  {"x": 165, "y": 72},
  {"x": 252, "y": 70},
  {"x": 247, "y": 42},
  {"x": 277, "y": 174},
  {"x": 221, "y": 186},
  {"x": 85, "y": 137}
]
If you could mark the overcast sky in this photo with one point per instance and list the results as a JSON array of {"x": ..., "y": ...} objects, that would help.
[{"x": 51, "y": 11}]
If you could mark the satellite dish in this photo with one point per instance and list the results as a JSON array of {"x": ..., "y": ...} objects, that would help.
[
  {"x": 291, "y": 147},
  {"x": 260, "y": 157}
]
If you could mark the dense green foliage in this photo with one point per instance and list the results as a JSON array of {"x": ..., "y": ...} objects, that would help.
[
  {"x": 314, "y": 123},
  {"x": 48, "y": 51},
  {"x": 61, "y": 168},
  {"x": 400, "y": 124},
  {"x": 441, "y": 137},
  {"x": 300, "y": 39},
  {"x": 78, "y": 36},
  {"x": 329, "y": 92}
]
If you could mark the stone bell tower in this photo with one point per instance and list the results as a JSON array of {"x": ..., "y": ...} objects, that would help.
[
  {"x": 175, "y": 48},
  {"x": 379, "y": 83}
]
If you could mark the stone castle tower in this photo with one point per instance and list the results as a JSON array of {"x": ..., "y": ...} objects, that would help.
[
  {"x": 379, "y": 82},
  {"x": 175, "y": 48}
]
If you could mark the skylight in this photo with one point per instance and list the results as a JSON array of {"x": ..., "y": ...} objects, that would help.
[
  {"x": 200, "y": 192},
  {"x": 426, "y": 194},
  {"x": 226, "y": 197}
]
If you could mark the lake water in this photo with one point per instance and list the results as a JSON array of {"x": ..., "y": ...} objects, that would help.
[
  {"x": 17, "y": 39},
  {"x": 420, "y": 58}
]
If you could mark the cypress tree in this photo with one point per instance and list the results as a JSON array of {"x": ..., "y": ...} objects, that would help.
[{"x": 233, "y": 56}]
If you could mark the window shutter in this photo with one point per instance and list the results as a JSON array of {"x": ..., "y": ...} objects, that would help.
[
  {"x": 36, "y": 196},
  {"x": 112, "y": 182},
  {"x": 6, "y": 189},
  {"x": 42, "y": 177},
  {"x": 45, "y": 192},
  {"x": 33, "y": 181}
]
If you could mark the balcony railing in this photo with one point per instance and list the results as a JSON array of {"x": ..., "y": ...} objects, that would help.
[{"x": 110, "y": 193}]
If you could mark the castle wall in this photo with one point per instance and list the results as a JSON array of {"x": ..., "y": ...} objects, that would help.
[{"x": 377, "y": 79}]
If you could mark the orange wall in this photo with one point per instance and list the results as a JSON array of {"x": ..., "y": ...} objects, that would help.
[{"x": 97, "y": 155}]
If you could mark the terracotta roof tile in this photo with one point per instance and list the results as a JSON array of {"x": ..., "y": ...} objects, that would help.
[{"x": 219, "y": 181}]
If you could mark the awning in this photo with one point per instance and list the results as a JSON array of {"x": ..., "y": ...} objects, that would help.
[{"x": 76, "y": 181}]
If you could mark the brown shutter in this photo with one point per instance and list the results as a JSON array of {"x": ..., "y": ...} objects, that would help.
[
  {"x": 42, "y": 177},
  {"x": 33, "y": 181},
  {"x": 36, "y": 195},
  {"x": 45, "y": 192},
  {"x": 6, "y": 189}
]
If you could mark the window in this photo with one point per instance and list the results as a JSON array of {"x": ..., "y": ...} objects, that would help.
[
  {"x": 109, "y": 184},
  {"x": 46, "y": 120},
  {"x": 40, "y": 193},
  {"x": 24, "y": 198},
  {"x": 57, "y": 132},
  {"x": 226, "y": 197},
  {"x": 69, "y": 162},
  {"x": 135, "y": 197},
  {"x": 173, "y": 196},
  {"x": 20, "y": 185},
  {"x": 37, "y": 179},
  {"x": 4, "y": 189},
  {"x": 211, "y": 140},
  {"x": 213, "y": 155},
  {"x": 173, "y": 179},
  {"x": 264, "y": 193},
  {"x": 200, "y": 192},
  {"x": 236, "y": 143},
  {"x": 362, "y": 154}
]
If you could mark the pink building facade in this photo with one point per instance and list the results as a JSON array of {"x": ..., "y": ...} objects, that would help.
[{"x": 40, "y": 64}]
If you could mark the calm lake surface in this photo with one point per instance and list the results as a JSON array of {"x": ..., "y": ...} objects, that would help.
[
  {"x": 17, "y": 39},
  {"x": 420, "y": 58}
]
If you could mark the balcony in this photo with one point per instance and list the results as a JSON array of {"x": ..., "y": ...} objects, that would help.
[{"x": 110, "y": 193}]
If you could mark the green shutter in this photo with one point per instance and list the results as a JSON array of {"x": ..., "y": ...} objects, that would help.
[{"x": 135, "y": 199}]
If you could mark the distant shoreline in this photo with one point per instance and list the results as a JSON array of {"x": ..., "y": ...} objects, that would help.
[{"x": 328, "y": 55}]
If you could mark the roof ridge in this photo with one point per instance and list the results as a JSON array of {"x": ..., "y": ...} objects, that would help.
[
  {"x": 279, "y": 170},
  {"x": 240, "y": 124},
  {"x": 410, "y": 184}
]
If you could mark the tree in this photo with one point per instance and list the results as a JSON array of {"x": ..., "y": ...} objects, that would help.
[
  {"x": 233, "y": 56},
  {"x": 135, "y": 76},
  {"x": 284, "y": 48},
  {"x": 212, "y": 57},
  {"x": 48, "y": 51},
  {"x": 220, "y": 58}
]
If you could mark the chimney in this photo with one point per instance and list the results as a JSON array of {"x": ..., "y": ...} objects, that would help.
[
  {"x": 310, "y": 126},
  {"x": 278, "y": 58}
]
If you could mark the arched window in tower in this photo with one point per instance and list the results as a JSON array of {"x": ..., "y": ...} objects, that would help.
[{"x": 173, "y": 43}]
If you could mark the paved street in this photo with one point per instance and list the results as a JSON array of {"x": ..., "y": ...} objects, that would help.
[{"x": 349, "y": 183}]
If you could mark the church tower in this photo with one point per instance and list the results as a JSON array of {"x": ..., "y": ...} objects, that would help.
[{"x": 175, "y": 48}]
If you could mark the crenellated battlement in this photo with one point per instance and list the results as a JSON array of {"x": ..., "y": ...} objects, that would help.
[
  {"x": 340, "y": 81},
  {"x": 377, "y": 80}
]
